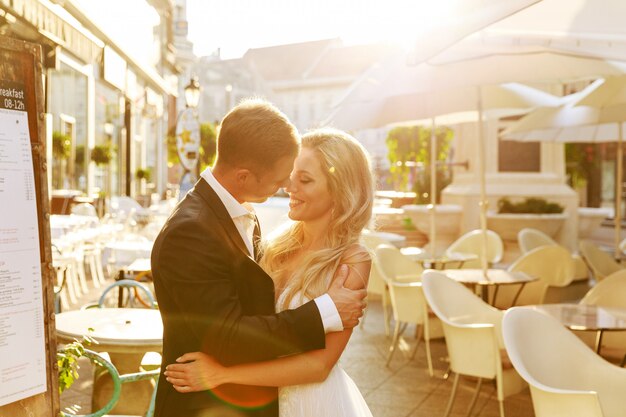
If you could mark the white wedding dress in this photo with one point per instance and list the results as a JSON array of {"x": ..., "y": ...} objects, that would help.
[{"x": 337, "y": 396}]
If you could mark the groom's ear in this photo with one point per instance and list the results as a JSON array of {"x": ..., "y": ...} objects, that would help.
[{"x": 242, "y": 175}]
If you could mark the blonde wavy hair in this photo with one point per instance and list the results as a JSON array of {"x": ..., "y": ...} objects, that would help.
[{"x": 346, "y": 166}]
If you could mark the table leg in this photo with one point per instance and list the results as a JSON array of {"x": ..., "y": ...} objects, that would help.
[
  {"x": 517, "y": 294},
  {"x": 135, "y": 396},
  {"x": 599, "y": 335}
]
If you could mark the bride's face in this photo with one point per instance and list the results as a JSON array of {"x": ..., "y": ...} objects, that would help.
[{"x": 310, "y": 198}]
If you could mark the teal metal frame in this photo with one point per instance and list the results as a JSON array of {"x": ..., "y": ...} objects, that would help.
[{"x": 118, "y": 380}]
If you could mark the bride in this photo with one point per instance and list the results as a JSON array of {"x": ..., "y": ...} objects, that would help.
[{"x": 331, "y": 197}]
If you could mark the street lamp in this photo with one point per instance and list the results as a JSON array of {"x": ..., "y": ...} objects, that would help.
[
  {"x": 192, "y": 93},
  {"x": 188, "y": 137}
]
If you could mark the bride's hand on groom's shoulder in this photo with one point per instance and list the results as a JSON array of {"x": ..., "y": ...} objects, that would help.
[{"x": 195, "y": 371}]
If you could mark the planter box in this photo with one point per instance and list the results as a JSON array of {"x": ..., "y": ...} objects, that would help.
[
  {"x": 509, "y": 224},
  {"x": 590, "y": 218}
]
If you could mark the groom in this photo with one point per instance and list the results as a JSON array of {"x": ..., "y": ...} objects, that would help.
[{"x": 212, "y": 295}]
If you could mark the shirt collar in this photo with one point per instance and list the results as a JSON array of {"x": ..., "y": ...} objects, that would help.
[{"x": 234, "y": 208}]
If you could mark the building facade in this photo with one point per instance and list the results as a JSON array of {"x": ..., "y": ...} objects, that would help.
[{"x": 107, "y": 110}]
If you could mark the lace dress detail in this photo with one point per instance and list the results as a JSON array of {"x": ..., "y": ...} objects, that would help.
[{"x": 337, "y": 396}]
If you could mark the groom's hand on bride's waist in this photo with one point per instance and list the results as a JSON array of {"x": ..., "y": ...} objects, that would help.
[{"x": 350, "y": 303}]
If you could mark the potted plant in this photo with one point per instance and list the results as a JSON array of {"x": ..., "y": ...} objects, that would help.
[
  {"x": 532, "y": 212},
  {"x": 102, "y": 154},
  {"x": 143, "y": 174}
]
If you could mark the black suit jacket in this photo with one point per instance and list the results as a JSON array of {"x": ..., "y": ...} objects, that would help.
[{"x": 214, "y": 298}]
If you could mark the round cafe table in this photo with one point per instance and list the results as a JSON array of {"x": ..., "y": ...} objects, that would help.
[
  {"x": 126, "y": 334},
  {"x": 493, "y": 278},
  {"x": 427, "y": 260},
  {"x": 587, "y": 318}
]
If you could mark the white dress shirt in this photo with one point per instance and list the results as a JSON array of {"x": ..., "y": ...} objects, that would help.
[{"x": 243, "y": 217}]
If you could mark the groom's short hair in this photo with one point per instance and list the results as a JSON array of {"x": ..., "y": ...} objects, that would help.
[{"x": 255, "y": 135}]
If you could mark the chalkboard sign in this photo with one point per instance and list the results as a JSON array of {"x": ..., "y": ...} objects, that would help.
[{"x": 28, "y": 374}]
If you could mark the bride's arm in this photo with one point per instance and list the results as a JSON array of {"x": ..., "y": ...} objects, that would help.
[{"x": 205, "y": 373}]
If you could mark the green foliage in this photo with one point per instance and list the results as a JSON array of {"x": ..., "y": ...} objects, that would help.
[
  {"x": 208, "y": 148},
  {"x": 580, "y": 159},
  {"x": 208, "y": 144},
  {"x": 80, "y": 155},
  {"x": 67, "y": 360},
  {"x": 143, "y": 173},
  {"x": 410, "y": 145},
  {"x": 61, "y": 145},
  {"x": 102, "y": 154},
  {"x": 530, "y": 205},
  {"x": 407, "y": 224}
]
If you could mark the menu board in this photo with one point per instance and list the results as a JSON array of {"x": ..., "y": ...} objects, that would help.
[{"x": 22, "y": 332}]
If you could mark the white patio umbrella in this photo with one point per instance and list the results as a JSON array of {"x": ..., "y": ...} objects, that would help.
[
  {"x": 596, "y": 114},
  {"x": 463, "y": 18},
  {"x": 438, "y": 87},
  {"x": 590, "y": 27}
]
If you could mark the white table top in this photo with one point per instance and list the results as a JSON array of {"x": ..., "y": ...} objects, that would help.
[
  {"x": 423, "y": 257},
  {"x": 586, "y": 317},
  {"x": 115, "y": 329},
  {"x": 494, "y": 276}
]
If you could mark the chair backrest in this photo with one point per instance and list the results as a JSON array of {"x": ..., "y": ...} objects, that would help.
[
  {"x": 610, "y": 292},
  {"x": 371, "y": 242},
  {"x": 471, "y": 242},
  {"x": 471, "y": 326},
  {"x": 566, "y": 377},
  {"x": 408, "y": 302},
  {"x": 601, "y": 263},
  {"x": 529, "y": 239},
  {"x": 124, "y": 203},
  {"x": 394, "y": 266},
  {"x": 376, "y": 282},
  {"x": 84, "y": 209},
  {"x": 554, "y": 267},
  {"x": 145, "y": 298}
]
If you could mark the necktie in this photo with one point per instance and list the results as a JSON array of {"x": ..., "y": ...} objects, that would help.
[{"x": 256, "y": 238}]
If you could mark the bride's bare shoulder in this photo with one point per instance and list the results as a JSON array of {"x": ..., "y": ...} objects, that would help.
[{"x": 356, "y": 253}]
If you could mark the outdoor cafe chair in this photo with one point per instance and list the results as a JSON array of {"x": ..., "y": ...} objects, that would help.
[
  {"x": 406, "y": 301},
  {"x": 529, "y": 239},
  {"x": 471, "y": 242},
  {"x": 610, "y": 292},
  {"x": 410, "y": 307},
  {"x": 137, "y": 293},
  {"x": 600, "y": 263},
  {"x": 552, "y": 265},
  {"x": 376, "y": 283},
  {"x": 472, "y": 330},
  {"x": 118, "y": 380},
  {"x": 566, "y": 377},
  {"x": 84, "y": 209}
]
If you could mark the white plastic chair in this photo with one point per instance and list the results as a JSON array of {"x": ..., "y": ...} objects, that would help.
[
  {"x": 402, "y": 276},
  {"x": 529, "y": 239},
  {"x": 600, "y": 263},
  {"x": 409, "y": 307},
  {"x": 394, "y": 266},
  {"x": 473, "y": 337},
  {"x": 554, "y": 267},
  {"x": 610, "y": 292},
  {"x": 84, "y": 209},
  {"x": 471, "y": 242},
  {"x": 566, "y": 377},
  {"x": 376, "y": 283}
]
